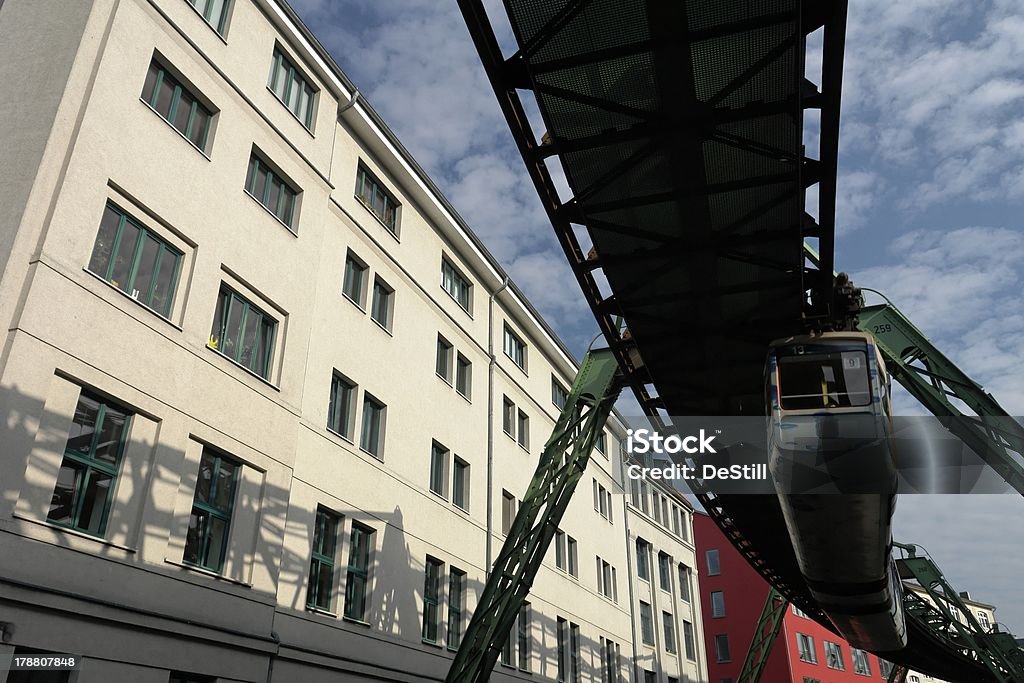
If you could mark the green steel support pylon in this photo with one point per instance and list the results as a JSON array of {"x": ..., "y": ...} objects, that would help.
[
  {"x": 765, "y": 633},
  {"x": 997, "y": 650},
  {"x": 936, "y": 382},
  {"x": 561, "y": 465}
]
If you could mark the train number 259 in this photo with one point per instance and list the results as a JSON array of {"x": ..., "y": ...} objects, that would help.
[{"x": 882, "y": 329}]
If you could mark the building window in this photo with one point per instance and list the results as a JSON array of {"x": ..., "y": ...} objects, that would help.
[
  {"x": 508, "y": 416},
  {"x": 800, "y": 613},
  {"x": 210, "y": 522},
  {"x": 85, "y": 486},
  {"x": 438, "y": 468},
  {"x": 515, "y": 348},
  {"x": 675, "y": 520},
  {"x": 270, "y": 189},
  {"x": 463, "y": 376},
  {"x": 523, "y": 434},
  {"x": 321, "y": 565},
  {"x": 572, "y": 557},
  {"x": 341, "y": 410},
  {"x": 508, "y": 511},
  {"x": 664, "y": 511},
  {"x": 668, "y": 625},
  {"x": 711, "y": 558},
  {"x": 443, "y": 363},
  {"x": 353, "y": 285},
  {"x": 834, "y": 656},
  {"x": 885, "y": 668},
  {"x": 665, "y": 572},
  {"x": 456, "y": 285},
  {"x": 646, "y": 624},
  {"x": 292, "y": 88},
  {"x": 508, "y": 648},
  {"x": 805, "y": 646},
  {"x": 684, "y": 583},
  {"x": 643, "y": 559},
  {"x": 379, "y": 201},
  {"x": 983, "y": 620},
  {"x": 634, "y": 493},
  {"x": 243, "y": 333},
  {"x": 460, "y": 483},
  {"x": 524, "y": 637},
  {"x": 133, "y": 259},
  {"x": 357, "y": 581},
  {"x": 643, "y": 496},
  {"x": 456, "y": 598},
  {"x": 177, "y": 105},
  {"x": 431, "y": 597},
  {"x": 717, "y": 604},
  {"x": 561, "y": 636},
  {"x": 657, "y": 508},
  {"x": 382, "y": 306},
  {"x": 722, "y": 648},
  {"x": 559, "y": 542},
  {"x": 602, "y": 444},
  {"x": 215, "y": 12},
  {"x": 574, "y": 652},
  {"x": 559, "y": 394},
  {"x": 372, "y": 437},
  {"x": 650, "y": 676},
  {"x": 861, "y": 665},
  {"x": 688, "y": 642}
]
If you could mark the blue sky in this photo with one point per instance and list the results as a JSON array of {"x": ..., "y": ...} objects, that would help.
[{"x": 931, "y": 191}]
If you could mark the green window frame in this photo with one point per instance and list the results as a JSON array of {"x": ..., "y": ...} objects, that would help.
[
  {"x": 438, "y": 468},
  {"x": 562, "y": 626},
  {"x": 292, "y": 88},
  {"x": 669, "y": 628},
  {"x": 431, "y": 598},
  {"x": 372, "y": 436},
  {"x": 134, "y": 259},
  {"x": 270, "y": 189},
  {"x": 523, "y": 629},
  {"x": 382, "y": 303},
  {"x": 320, "y": 593},
  {"x": 215, "y": 12},
  {"x": 209, "y": 527},
  {"x": 378, "y": 200},
  {"x": 456, "y": 598},
  {"x": 515, "y": 348},
  {"x": 357, "y": 580},
  {"x": 646, "y": 624},
  {"x": 464, "y": 376},
  {"x": 460, "y": 483},
  {"x": 354, "y": 280},
  {"x": 342, "y": 406},
  {"x": 243, "y": 332},
  {"x": 443, "y": 363},
  {"x": 84, "y": 491},
  {"x": 177, "y": 105},
  {"x": 457, "y": 286}
]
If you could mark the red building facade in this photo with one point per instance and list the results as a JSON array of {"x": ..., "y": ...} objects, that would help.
[{"x": 732, "y": 595}]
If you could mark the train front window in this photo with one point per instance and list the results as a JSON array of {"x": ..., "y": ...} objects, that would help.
[{"x": 824, "y": 380}]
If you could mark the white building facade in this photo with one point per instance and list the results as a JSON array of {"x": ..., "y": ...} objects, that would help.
[{"x": 268, "y": 403}]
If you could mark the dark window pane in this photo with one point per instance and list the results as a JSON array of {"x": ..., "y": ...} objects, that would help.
[
  {"x": 151, "y": 77},
  {"x": 197, "y": 530},
  {"x": 165, "y": 96},
  {"x": 275, "y": 192},
  {"x": 125, "y": 254},
  {"x": 200, "y": 124},
  {"x": 249, "y": 354},
  {"x": 163, "y": 289},
  {"x": 266, "y": 348},
  {"x": 184, "y": 111},
  {"x": 233, "y": 331},
  {"x": 84, "y": 424},
  {"x": 69, "y": 480},
  {"x": 108, "y": 445},
  {"x": 215, "y": 546},
  {"x": 144, "y": 273},
  {"x": 259, "y": 184},
  {"x": 225, "y": 490},
  {"x": 204, "y": 484},
  {"x": 100, "y": 261},
  {"x": 92, "y": 516}
]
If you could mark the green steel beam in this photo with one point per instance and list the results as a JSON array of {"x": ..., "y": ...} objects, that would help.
[
  {"x": 561, "y": 465},
  {"x": 939, "y": 384},
  {"x": 765, "y": 633},
  {"x": 996, "y": 649}
]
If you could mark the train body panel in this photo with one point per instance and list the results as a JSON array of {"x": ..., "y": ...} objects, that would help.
[{"x": 831, "y": 458}]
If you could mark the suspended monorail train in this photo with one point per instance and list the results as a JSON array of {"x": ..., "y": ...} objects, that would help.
[{"x": 832, "y": 462}]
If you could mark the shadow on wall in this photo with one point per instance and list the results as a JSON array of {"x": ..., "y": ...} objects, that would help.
[{"x": 33, "y": 441}]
